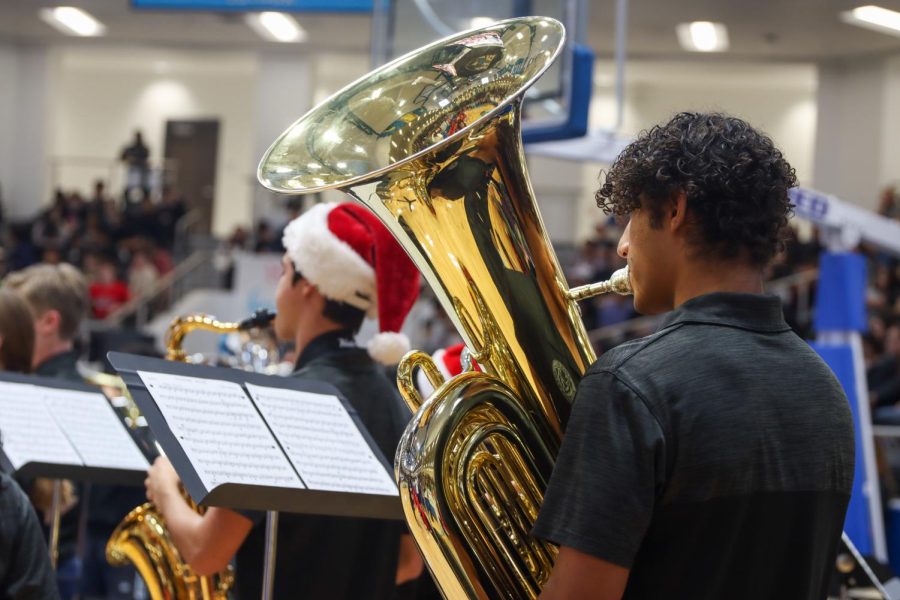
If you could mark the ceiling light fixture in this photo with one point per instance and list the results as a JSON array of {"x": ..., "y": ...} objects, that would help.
[
  {"x": 276, "y": 27},
  {"x": 479, "y": 22},
  {"x": 875, "y": 18},
  {"x": 702, "y": 36},
  {"x": 72, "y": 21}
]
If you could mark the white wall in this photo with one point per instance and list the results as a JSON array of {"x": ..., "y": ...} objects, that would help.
[
  {"x": 778, "y": 99},
  {"x": 8, "y": 73},
  {"x": 27, "y": 73},
  {"x": 852, "y": 119},
  {"x": 105, "y": 94},
  {"x": 86, "y": 101},
  {"x": 890, "y": 140},
  {"x": 282, "y": 96}
]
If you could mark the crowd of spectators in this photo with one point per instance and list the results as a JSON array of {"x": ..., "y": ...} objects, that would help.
[
  {"x": 881, "y": 343},
  {"x": 122, "y": 247}
]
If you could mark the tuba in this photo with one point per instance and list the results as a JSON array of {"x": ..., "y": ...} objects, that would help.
[
  {"x": 142, "y": 538},
  {"x": 431, "y": 143}
]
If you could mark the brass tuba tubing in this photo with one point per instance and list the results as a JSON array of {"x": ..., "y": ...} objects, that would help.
[{"x": 431, "y": 143}]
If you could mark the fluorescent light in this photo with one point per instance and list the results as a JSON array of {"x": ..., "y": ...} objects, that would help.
[
  {"x": 702, "y": 36},
  {"x": 874, "y": 17},
  {"x": 479, "y": 22},
  {"x": 72, "y": 21},
  {"x": 276, "y": 26}
]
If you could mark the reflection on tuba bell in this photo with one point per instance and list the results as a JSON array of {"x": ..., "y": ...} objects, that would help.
[
  {"x": 431, "y": 144},
  {"x": 142, "y": 538}
]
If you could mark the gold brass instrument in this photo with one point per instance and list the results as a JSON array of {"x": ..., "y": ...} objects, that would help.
[
  {"x": 142, "y": 538},
  {"x": 431, "y": 144}
]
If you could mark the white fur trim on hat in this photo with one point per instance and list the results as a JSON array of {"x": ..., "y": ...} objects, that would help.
[
  {"x": 388, "y": 347},
  {"x": 328, "y": 262}
]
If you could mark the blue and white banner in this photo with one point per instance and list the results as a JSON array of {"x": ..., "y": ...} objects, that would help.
[
  {"x": 333, "y": 6},
  {"x": 854, "y": 222}
]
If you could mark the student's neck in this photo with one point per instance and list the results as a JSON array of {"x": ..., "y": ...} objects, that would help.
[
  {"x": 706, "y": 277},
  {"x": 50, "y": 348},
  {"x": 311, "y": 331}
]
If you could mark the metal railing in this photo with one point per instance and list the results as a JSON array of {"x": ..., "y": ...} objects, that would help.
[{"x": 164, "y": 291}]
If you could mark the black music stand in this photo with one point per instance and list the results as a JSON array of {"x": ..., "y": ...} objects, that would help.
[
  {"x": 64, "y": 430},
  {"x": 298, "y": 498}
]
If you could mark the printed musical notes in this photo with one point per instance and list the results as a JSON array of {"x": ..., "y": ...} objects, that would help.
[
  {"x": 94, "y": 429},
  {"x": 29, "y": 432},
  {"x": 220, "y": 431},
  {"x": 322, "y": 441}
]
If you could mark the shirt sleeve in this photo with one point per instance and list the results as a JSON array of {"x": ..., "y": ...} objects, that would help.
[
  {"x": 603, "y": 488},
  {"x": 28, "y": 574}
]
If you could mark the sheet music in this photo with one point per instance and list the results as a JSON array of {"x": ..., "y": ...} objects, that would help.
[
  {"x": 94, "y": 429},
  {"x": 322, "y": 441},
  {"x": 220, "y": 431},
  {"x": 29, "y": 432}
]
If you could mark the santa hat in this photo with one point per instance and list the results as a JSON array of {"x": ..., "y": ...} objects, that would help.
[
  {"x": 346, "y": 252},
  {"x": 449, "y": 362}
]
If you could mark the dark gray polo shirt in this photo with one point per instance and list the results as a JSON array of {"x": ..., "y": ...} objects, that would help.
[
  {"x": 713, "y": 458},
  {"x": 25, "y": 572}
]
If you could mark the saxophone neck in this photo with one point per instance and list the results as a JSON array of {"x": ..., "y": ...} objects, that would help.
[{"x": 182, "y": 326}]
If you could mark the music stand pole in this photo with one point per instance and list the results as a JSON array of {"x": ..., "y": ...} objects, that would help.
[
  {"x": 55, "y": 511},
  {"x": 269, "y": 559}
]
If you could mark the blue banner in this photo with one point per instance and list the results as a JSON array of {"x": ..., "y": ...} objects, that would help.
[
  {"x": 840, "y": 296},
  {"x": 333, "y": 6},
  {"x": 858, "y": 523}
]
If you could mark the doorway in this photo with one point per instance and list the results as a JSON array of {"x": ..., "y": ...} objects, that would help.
[{"x": 191, "y": 150}]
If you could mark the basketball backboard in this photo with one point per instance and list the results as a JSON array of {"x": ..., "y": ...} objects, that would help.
[{"x": 556, "y": 107}]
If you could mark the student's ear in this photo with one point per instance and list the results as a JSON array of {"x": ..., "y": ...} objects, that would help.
[
  {"x": 678, "y": 211},
  {"x": 307, "y": 289},
  {"x": 48, "y": 322}
]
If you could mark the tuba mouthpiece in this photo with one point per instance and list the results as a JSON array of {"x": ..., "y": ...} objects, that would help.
[{"x": 618, "y": 283}]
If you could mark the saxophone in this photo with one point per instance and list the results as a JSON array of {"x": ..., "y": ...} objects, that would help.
[
  {"x": 142, "y": 538},
  {"x": 431, "y": 143}
]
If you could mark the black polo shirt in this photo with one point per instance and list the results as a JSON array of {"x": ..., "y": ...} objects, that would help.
[
  {"x": 714, "y": 458},
  {"x": 25, "y": 572},
  {"x": 335, "y": 558}
]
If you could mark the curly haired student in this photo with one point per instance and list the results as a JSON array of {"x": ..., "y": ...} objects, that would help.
[{"x": 713, "y": 458}]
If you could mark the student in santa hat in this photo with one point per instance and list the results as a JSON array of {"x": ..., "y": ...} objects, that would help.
[
  {"x": 340, "y": 266},
  {"x": 449, "y": 362}
]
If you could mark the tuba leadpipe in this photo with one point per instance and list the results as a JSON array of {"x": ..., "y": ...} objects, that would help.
[{"x": 431, "y": 143}]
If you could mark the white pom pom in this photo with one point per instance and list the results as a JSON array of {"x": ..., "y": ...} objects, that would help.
[{"x": 388, "y": 347}]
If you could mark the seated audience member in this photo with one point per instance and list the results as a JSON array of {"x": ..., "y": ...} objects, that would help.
[
  {"x": 25, "y": 572},
  {"x": 57, "y": 298},
  {"x": 142, "y": 274},
  {"x": 16, "y": 333},
  {"x": 884, "y": 379},
  {"x": 107, "y": 291}
]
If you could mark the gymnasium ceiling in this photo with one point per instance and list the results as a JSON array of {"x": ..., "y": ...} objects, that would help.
[{"x": 759, "y": 30}]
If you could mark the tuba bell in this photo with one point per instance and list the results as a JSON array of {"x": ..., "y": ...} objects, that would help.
[
  {"x": 431, "y": 143},
  {"x": 142, "y": 538}
]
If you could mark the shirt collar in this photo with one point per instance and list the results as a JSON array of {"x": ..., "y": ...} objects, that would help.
[
  {"x": 58, "y": 363},
  {"x": 339, "y": 340},
  {"x": 755, "y": 312}
]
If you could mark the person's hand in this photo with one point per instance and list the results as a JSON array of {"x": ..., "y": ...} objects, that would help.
[{"x": 161, "y": 483}]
